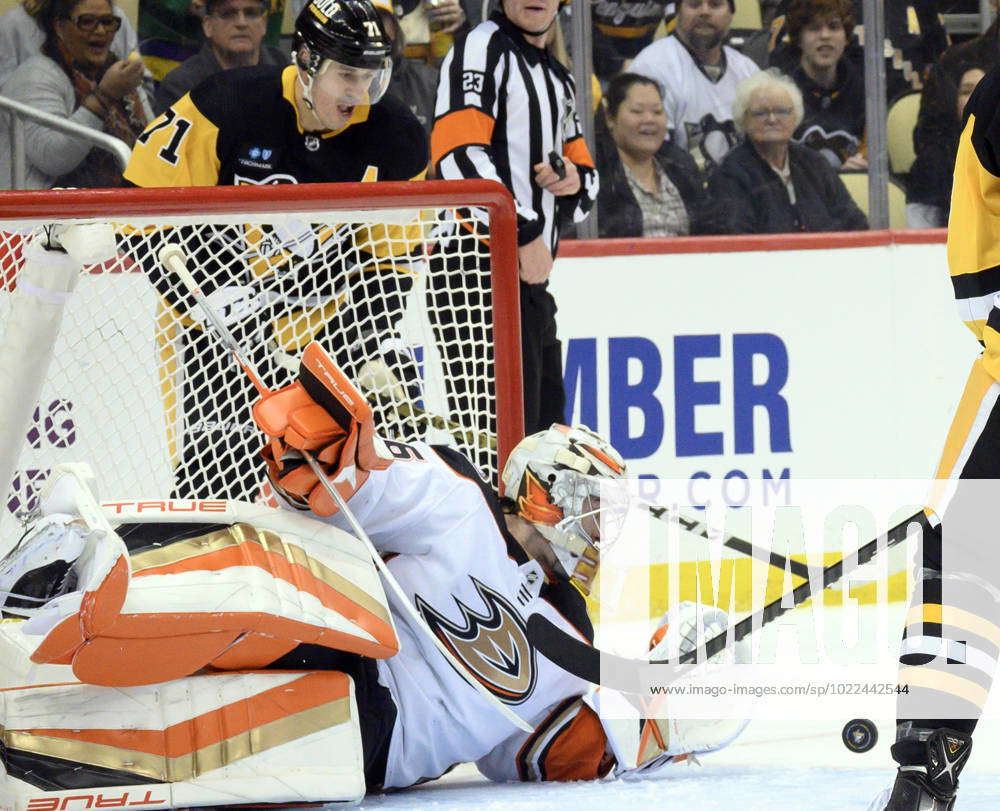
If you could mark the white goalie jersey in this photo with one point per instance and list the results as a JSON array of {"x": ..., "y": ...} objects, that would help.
[
  {"x": 440, "y": 530},
  {"x": 190, "y": 601}
]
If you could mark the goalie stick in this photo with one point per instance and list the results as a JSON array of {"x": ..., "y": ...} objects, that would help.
[
  {"x": 173, "y": 258},
  {"x": 698, "y": 527},
  {"x": 630, "y": 675}
]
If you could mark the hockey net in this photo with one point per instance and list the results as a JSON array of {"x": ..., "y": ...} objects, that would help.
[{"x": 411, "y": 287}]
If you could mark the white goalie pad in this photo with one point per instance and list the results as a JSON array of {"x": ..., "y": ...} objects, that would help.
[
  {"x": 207, "y": 740},
  {"x": 238, "y": 595}
]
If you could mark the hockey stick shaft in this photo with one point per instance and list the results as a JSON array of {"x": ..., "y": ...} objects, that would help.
[
  {"x": 737, "y": 544},
  {"x": 632, "y": 675},
  {"x": 175, "y": 260},
  {"x": 830, "y": 575}
]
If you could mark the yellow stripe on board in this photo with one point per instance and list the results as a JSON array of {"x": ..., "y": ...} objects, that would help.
[{"x": 735, "y": 585}]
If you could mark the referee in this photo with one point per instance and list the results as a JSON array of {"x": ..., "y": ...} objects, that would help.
[{"x": 506, "y": 111}]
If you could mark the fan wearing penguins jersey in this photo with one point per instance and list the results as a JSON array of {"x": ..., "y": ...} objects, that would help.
[{"x": 323, "y": 119}]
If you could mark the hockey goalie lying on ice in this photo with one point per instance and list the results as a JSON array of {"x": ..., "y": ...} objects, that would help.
[{"x": 214, "y": 653}]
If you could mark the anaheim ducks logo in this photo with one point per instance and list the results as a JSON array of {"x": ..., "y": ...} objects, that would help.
[{"x": 492, "y": 646}]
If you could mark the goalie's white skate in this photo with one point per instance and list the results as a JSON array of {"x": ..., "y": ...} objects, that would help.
[
  {"x": 70, "y": 562},
  {"x": 89, "y": 243}
]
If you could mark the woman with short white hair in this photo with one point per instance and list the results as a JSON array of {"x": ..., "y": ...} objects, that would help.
[{"x": 769, "y": 185}]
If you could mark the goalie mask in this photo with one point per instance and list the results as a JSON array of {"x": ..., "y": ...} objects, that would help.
[
  {"x": 554, "y": 478},
  {"x": 345, "y": 35}
]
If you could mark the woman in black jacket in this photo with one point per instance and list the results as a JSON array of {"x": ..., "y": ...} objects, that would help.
[
  {"x": 649, "y": 187},
  {"x": 769, "y": 185},
  {"x": 928, "y": 184}
]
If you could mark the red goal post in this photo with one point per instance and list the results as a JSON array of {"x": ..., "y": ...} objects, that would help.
[{"x": 389, "y": 277}]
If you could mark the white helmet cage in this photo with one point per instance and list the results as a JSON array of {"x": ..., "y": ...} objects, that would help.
[{"x": 558, "y": 481}]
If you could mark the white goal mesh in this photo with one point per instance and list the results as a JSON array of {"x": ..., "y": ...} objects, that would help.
[{"x": 403, "y": 293}]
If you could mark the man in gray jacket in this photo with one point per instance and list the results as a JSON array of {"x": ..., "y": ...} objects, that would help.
[{"x": 234, "y": 33}]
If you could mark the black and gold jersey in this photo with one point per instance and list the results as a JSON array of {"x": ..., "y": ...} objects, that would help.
[
  {"x": 241, "y": 127},
  {"x": 277, "y": 284},
  {"x": 974, "y": 224}
]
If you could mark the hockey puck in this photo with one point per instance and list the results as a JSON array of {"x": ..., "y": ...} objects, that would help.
[{"x": 859, "y": 735}]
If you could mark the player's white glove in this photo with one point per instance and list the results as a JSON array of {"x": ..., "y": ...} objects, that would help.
[{"x": 89, "y": 243}]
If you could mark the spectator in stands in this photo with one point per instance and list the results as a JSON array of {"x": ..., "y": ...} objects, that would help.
[
  {"x": 928, "y": 185},
  {"x": 413, "y": 82},
  {"x": 430, "y": 26},
  {"x": 621, "y": 29},
  {"x": 234, "y": 33},
  {"x": 833, "y": 91},
  {"x": 935, "y": 121},
  {"x": 21, "y": 37},
  {"x": 982, "y": 50},
  {"x": 698, "y": 75},
  {"x": 77, "y": 76},
  {"x": 759, "y": 44},
  {"x": 171, "y": 31},
  {"x": 910, "y": 48},
  {"x": 649, "y": 187},
  {"x": 769, "y": 184}
]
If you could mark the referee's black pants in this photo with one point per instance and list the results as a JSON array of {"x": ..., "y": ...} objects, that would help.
[
  {"x": 541, "y": 360},
  {"x": 459, "y": 279}
]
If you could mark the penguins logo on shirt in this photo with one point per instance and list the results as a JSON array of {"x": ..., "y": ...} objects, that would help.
[
  {"x": 709, "y": 140},
  {"x": 493, "y": 646},
  {"x": 839, "y": 143},
  {"x": 271, "y": 180}
]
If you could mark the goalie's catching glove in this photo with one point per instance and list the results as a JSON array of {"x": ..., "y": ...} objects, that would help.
[{"x": 324, "y": 414}]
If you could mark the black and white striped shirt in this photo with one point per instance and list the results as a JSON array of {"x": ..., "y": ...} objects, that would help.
[{"x": 502, "y": 106}]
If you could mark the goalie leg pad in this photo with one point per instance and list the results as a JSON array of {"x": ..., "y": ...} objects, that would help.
[
  {"x": 220, "y": 739},
  {"x": 238, "y": 597}
]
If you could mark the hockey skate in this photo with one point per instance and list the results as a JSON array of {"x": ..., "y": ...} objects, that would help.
[
  {"x": 70, "y": 560},
  {"x": 932, "y": 786},
  {"x": 88, "y": 243}
]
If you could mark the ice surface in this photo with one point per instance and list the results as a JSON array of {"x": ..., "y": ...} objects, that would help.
[{"x": 798, "y": 767}]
